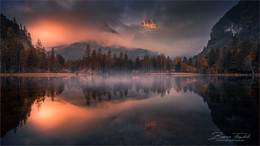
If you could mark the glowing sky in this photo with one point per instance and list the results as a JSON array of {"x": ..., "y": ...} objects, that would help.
[{"x": 183, "y": 26}]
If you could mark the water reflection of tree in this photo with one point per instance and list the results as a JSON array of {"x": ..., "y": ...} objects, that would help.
[
  {"x": 19, "y": 93},
  {"x": 233, "y": 102},
  {"x": 97, "y": 90}
]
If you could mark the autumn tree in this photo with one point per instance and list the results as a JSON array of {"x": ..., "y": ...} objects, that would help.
[
  {"x": 203, "y": 64},
  {"x": 177, "y": 64}
]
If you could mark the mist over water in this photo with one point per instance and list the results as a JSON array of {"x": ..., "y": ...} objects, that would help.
[{"x": 128, "y": 109}]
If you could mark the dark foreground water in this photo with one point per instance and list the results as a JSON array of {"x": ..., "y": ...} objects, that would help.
[{"x": 133, "y": 110}]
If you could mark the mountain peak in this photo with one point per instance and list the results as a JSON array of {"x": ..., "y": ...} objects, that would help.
[{"x": 76, "y": 50}]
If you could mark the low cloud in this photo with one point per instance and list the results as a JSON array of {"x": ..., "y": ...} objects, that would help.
[{"x": 184, "y": 27}]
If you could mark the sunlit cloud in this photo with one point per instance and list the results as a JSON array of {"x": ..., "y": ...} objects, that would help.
[
  {"x": 183, "y": 29},
  {"x": 149, "y": 23}
]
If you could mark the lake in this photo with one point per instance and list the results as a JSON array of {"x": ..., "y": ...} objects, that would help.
[{"x": 133, "y": 109}]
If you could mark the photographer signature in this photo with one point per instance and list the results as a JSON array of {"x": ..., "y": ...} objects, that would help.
[{"x": 219, "y": 136}]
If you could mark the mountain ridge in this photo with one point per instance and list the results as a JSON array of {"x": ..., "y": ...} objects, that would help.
[
  {"x": 242, "y": 21},
  {"x": 76, "y": 50}
]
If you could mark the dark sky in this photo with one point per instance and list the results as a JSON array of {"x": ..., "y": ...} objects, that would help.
[{"x": 183, "y": 26}]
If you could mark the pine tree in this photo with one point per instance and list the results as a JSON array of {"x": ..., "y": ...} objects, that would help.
[
  {"x": 234, "y": 43},
  {"x": 59, "y": 63},
  {"x": 126, "y": 63},
  {"x": 256, "y": 63},
  {"x": 137, "y": 64},
  {"x": 93, "y": 59},
  {"x": 225, "y": 60},
  {"x": 164, "y": 63},
  {"x": 211, "y": 58},
  {"x": 231, "y": 57},
  {"x": 87, "y": 51},
  {"x": 11, "y": 53},
  {"x": 242, "y": 52},
  {"x": 86, "y": 61},
  {"x": 185, "y": 60},
  {"x": 32, "y": 60},
  {"x": 40, "y": 55},
  {"x": 159, "y": 63},
  {"x": 120, "y": 61},
  {"x": 169, "y": 64},
  {"x": 52, "y": 60}
]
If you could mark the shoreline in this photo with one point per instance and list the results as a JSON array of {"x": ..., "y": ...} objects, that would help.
[
  {"x": 81, "y": 74},
  {"x": 37, "y": 74}
]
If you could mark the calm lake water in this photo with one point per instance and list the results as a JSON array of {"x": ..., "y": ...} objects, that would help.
[{"x": 135, "y": 110}]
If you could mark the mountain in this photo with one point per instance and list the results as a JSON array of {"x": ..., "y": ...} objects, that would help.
[
  {"x": 76, "y": 50},
  {"x": 241, "y": 21}
]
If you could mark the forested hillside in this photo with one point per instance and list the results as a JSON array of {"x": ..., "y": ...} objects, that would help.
[
  {"x": 241, "y": 57},
  {"x": 241, "y": 21},
  {"x": 233, "y": 46}
]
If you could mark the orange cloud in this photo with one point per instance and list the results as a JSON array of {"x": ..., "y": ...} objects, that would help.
[
  {"x": 54, "y": 33},
  {"x": 149, "y": 23}
]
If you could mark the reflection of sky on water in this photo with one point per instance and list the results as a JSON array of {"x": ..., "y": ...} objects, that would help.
[{"x": 170, "y": 112}]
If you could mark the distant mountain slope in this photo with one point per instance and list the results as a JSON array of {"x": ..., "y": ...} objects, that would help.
[
  {"x": 242, "y": 20},
  {"x": 76, "y": 50}
]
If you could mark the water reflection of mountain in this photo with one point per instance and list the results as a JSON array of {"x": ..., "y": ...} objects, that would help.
[
  {"x": 233, "y": 102},
  {"x": 106, "y": 89},
  {"x": 19, "y": 93}
]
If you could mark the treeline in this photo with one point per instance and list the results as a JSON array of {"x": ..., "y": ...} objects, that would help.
[
  {"x": 16, "y": 59},
  {"x": 19, "y": 55},
  {"x": 241, "y": 57},
  {"x": 99, "y": 62}
]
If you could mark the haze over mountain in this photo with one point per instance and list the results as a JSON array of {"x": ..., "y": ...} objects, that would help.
[
  {"x": 175, "y": 28},
  {"x": 241, "y": 21},
  {"x": 76, "y": 50}
]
